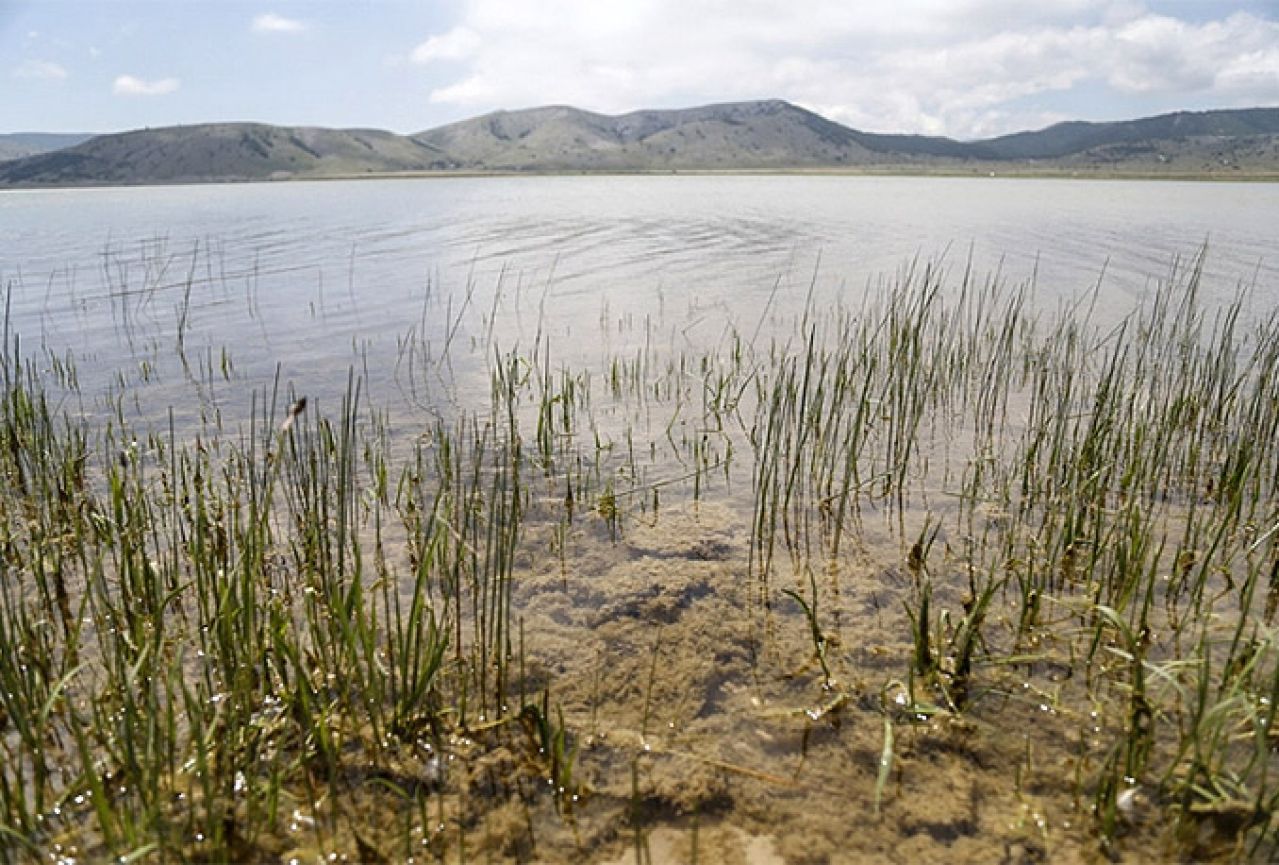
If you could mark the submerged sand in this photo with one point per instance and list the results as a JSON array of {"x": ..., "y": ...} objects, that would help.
[{"x": 706, "y": 730}]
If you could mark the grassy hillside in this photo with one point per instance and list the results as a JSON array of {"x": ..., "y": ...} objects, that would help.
[
  {"x": 223, "y": 151},
  {"x": 769, "y": 134},
  {"x": 1075, "y": 138}
]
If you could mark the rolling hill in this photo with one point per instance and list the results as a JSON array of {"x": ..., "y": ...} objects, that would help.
[
  {"x": 222, "y": 152},
  {"x": 742, "y": 136},
  {"x": 1079, "y": 137},
  {"x": 16, "y": 145},
  {"x": 770, "y": 134}
]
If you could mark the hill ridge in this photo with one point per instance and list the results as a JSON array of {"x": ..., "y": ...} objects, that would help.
[{"x": 767, "y": 134}]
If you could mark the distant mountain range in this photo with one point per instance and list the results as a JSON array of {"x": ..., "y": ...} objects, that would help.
[{"x": 770, "y": 135}]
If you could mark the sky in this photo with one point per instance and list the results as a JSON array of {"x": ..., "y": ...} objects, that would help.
[{"x": 963, "y": 68}]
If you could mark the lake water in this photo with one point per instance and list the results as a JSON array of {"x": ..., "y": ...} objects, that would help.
[
  {"x": 683, "y": 668},
  {"x": 316, "y": 277}
]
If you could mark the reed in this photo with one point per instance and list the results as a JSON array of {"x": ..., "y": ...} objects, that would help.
[{"x": 213, "y": 633}]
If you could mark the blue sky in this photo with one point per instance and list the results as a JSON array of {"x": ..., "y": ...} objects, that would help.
[{"x": 964, "y": 68}]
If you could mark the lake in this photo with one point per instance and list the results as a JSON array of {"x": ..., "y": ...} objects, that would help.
[
  {"x": 717, "y": 518},
  {"x": 317, "y": 276}
]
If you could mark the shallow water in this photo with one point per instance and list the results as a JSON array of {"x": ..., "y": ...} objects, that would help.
[
  {"x": 680, "y": 672},
  {"x": 317, "y": 276}
]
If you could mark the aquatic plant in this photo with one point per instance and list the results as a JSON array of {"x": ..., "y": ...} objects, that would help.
[{"x": 304, "y": 626}]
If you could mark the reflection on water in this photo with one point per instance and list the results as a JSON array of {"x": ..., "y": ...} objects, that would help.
[
  {"x": 721, "y": 648},
  {"x": 317, "y": 275},
  {"x": 207, "y": 294}
]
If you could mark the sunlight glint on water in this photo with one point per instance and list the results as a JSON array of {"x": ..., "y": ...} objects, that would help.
[{"x": 317, "y": 276}]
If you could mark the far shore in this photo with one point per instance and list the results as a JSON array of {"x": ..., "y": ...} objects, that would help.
[{"x": 1004, "y": 171}]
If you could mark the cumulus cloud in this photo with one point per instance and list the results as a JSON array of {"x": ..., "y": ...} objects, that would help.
[
  {"x": 40, "y": 69},
  {"x": 965, "y": 68},
  {"x": 1162, "y": 54},
  {"x": 272, "y": 23},
  {"x": 128, "y": 85}
]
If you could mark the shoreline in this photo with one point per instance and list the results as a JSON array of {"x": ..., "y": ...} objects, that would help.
[{"x": 1017, "y": 172}]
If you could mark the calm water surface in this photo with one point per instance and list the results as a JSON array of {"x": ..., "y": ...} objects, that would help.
[
  {"x": 191, "y": 298},
  {"x": 315, "y": 277}
]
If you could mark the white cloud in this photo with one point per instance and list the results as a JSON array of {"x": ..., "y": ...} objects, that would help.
[
  {"x": 40, "y": 69},
  {"x": 1162, "y": 54},
  {"x": 457, "y": 44},
  {"x": 1251, "y": 72},
  {"x": 128, "y": 85},
  {"x": 965, "y": 68},
  {"x": 272, "y": 23}
]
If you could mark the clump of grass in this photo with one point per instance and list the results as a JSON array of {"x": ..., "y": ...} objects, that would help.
[
  {"x": 1109, "y": 477},
  {"x": 199, "y": 642}
]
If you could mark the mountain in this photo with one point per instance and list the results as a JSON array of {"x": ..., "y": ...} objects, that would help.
[
  {"x": 222, "y": 152},
  {"x": 1078, "y": 137},
  {"x": 770, "y": 134},
  {"x": 745, "y": 136},
  {"x": 19, "y": 144}
]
